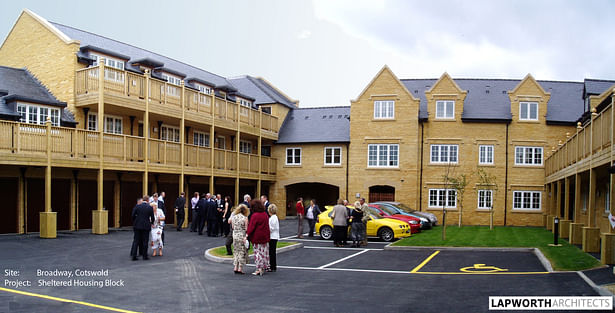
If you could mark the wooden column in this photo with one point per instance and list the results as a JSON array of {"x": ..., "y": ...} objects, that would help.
[
  {"x": 48, "y": 219},
  {"x": 591, "y": 233},
  {"x": 182, "y": 138},
  {"x": 100, "y": 224},
  {"x": 260, "y": 155},
  {"x": 146, "y": 133},
  {"x": 117, "y": 201},
  {"x": 73, "y": 200},
  {"x": 21, "y": 201}
]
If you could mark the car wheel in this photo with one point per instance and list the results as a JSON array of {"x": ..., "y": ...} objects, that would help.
[
  {"x": 386, "y": 234},
  {"x": 326, "y": 232}
]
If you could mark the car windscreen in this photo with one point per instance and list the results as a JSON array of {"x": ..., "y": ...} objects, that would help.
[
  {"x": 404, "y": 207},
  {"x": 388, "y": 210}
]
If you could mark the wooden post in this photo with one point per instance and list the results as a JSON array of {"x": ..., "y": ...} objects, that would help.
[
  {"x": 21, "y": 199},
  {"x": 100, "y": 223},
  {"x": 48, "y": 219},
  {"x": 73, "y": 200},
  {"x": 146, "y": 132},
  {"x": 182, "y": 138}
]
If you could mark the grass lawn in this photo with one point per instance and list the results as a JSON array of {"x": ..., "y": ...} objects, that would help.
[
  {"x": 565, "y": 258},
  {"x": 221, "y": 251}
]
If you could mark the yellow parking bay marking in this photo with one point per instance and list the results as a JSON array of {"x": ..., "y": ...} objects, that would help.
[
  {"x": 481, "y": 273},
  {"x": 402, "y": 272},
  {"x": 342, "y": 259},
  {"x": 482, "y": 268},
  {"x": 65, "y": 300},
  {"x": 418, "y": 267}
]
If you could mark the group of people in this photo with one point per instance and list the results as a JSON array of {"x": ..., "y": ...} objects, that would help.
[
  {"x": 355, "y": 217},
  {"x": 342, "y": 217},
  {"x": 255, "y": 222},
  {"x": 148, "y": 218},
  {"x": 212, "y": 210}
]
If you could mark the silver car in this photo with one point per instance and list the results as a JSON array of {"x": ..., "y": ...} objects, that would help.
[{"x": 430, "y": 216}]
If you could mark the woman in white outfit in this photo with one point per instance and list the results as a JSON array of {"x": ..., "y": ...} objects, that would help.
[
  {"x": 156, "y": 232},
  {"x": 274, "y": 235}
]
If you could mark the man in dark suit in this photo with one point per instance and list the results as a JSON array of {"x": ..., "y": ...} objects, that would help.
[
  {"x": 201, "y": 215},
  {"x": 142, "y": 220},
  {"x": 212, "y": 216},
  {"x": 220, "y": 209},
  {"x": 180, "y": 204}
]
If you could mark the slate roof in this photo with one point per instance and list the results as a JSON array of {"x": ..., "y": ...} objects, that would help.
[
  {"x": 487, "y": 99},
  {"x": 248, "y": 86},
  {"x": 314, "y": 125},
  {"x": 597, "y": 86},
  {"x": 19, "y": 85},
  {"x": 261, "y": 91}
]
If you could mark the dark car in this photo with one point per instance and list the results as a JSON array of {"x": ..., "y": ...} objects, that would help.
[{"x": 426, "y": 222}]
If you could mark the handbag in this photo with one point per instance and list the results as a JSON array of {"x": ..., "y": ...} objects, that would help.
[{"x": 247, "y": 244}]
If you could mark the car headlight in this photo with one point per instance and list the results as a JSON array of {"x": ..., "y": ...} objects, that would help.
[
  {"x": 401, "y": 226},
  {"x": 414, "y": 222}
]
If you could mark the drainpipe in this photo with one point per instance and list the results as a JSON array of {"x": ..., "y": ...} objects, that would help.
[
  {"x": 506, "y": 178},
  {"x": 347, "y": 163},
  {"x": 421, "y": 173}
]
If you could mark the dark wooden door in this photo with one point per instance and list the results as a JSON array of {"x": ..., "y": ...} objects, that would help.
[{"x": 8, "y": 194}]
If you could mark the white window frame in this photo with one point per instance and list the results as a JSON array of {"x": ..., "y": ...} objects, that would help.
[
  {"x": 384, "y": 109},
  {"x": 109, "y": 62},
  {"x": 37, "y": 114},
  {"x": 528, "y": 106},
  {"x": 484, "y": 199},
  {"x": 115, "y": 121},
  {"x": 334, "y": 152},
  {"x": 203, "y": 88},
  {"x": 167, "y": 130},
  {"x": 445, "y": 112},
  {"x": 526, "y": 155},
  {"x": 485, "y": 154},
  {"x": 383, "y": 155},
  {"x": 245, "y": 146},
  {"x": 438, "y": 195},
  {"x": 293, "y": 155},
  {"x": 173, "y": 83},
  {"x": 444, "y": 154},
  {"x": 200, "y": 139},
  {"x": 526, "y": 200},
  {"x": 607, "y": 199}
]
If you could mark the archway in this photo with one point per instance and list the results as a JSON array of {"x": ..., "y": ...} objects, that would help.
[
  {"x": 324, "y": 194},
  {"x": 381, "y": 193}
]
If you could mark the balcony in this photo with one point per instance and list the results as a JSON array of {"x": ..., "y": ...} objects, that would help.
[
  {"x": 590, "y": 145},
  {"x": 128, "y": 89},
  {"x": 26, "y": 144}
]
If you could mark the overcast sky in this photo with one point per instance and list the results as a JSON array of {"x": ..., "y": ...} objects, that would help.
[{"x": 324, "y": 53}]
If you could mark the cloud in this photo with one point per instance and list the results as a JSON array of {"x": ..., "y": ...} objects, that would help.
[{"x": 305, "y": 34}]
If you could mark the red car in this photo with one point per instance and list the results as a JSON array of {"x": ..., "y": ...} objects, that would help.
[{"x": 415, "y": 223}]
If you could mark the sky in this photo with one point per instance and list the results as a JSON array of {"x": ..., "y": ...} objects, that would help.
[{"x": 324, "y": 52}]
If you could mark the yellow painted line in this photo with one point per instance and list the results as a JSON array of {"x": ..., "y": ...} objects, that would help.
[
  {"x": 414, "y": 270},
  {"x": 479, "y": 273},
  {"x": 65, "y": 300}
]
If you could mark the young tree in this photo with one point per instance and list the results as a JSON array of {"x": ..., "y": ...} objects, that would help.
[
  {"x": 459, "y": 184},
  {"x": 446, "y": 179},
  {"x": 486, "y": 179}
]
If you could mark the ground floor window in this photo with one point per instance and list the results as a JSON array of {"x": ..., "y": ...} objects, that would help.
[
  {"x": 485, "y": 199},
  {"x": 201, "y": 139},
  {"x": 169, "y": 133},
  {"x": 439, "y": 198},
  {"x": 526, "y": 200}
]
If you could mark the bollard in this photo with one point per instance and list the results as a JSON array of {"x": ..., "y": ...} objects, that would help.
[{"x": 555, "y": 230}]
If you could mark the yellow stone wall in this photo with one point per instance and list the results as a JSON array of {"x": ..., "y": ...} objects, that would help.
[
  {"x": 403, "y": 130},
  {"x": 311, "y": 170},
  {"x": 50, "y": 59}
]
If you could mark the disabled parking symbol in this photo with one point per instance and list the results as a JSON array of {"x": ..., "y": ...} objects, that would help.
[{"x": 482, "y": 268}]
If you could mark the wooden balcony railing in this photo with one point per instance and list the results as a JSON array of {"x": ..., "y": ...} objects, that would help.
[
  {"x": 589, "y": 140},
  {"x": 132, "y": 85},
  {"x": 30, "y": 141}
]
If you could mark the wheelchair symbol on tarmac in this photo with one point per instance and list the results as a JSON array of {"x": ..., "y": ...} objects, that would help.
[{"x": 481, "y": 268}]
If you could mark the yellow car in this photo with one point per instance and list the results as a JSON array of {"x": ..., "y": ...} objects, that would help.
[{"x": 386, "y": 229}]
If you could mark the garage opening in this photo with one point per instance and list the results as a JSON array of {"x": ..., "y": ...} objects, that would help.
[
  {"x": 381, "y": 193},
  {"x": 324, "y": 194}
]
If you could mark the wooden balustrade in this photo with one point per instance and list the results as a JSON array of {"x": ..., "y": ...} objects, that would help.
[{"x": 30, "y": 140}]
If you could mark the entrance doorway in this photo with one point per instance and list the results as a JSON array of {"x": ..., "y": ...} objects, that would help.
[
  {"x": 324, "y": 194},
  {"x": 381, "y": 193}
]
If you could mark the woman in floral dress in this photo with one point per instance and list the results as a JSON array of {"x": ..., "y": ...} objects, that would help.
[{"x": 239, "y": 220}]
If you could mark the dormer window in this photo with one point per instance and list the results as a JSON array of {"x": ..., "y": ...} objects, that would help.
[
  {"x": 528, "y": 111},
  {"x": 445, "y": 109},
  {"x": 204, "y": 89},
  {"x": 173, "y": 80},
  {"x": 245, "y": 103},
  {"x": 113, "y": 63}
]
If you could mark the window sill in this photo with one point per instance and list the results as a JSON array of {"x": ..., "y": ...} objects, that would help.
[
  {"x": 526, "y": 211},
  {"x": 332, "y": 166},
  {"x": 483, "y": 210},
  {"x": 383, "y": 119},
  {"x": 444, "y": 120},
  {"x": 529, "y": 121},
  {"x": 292, "y": 165},
  {"x": 440, "y": 209},
  {"x": 382, "y": 168},
  {"x": 444, "y": 164},
  {"x": 487, "y": 165},
  {"x": 529, "y": 166}
]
